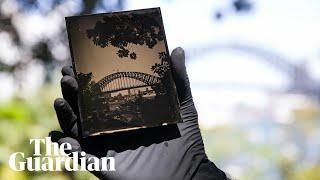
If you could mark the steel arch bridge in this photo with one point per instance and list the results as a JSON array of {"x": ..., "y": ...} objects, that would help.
[
  {"x": 300, "y": 79},
  {"x": 126, "y": 80}
]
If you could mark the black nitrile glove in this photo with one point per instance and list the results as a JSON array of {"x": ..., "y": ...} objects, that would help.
[{"x": 171, "y": 152}]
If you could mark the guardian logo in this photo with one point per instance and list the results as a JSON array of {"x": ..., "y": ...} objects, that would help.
[{"x": 55, "y": 158}]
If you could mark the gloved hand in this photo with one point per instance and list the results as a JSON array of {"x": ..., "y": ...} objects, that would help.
[{"x": 166, "y": 152}]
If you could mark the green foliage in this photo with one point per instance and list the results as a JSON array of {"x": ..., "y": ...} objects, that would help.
[
  {"x": 311, "y": 173},
  {"x": 230, "y": 148},
  {"x": 25, "y": 118},
  {"x": 16, "y": 110}
]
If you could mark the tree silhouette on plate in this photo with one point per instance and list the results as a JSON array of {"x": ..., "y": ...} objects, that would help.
[
  {"x": 90, "y": 93},
  {"x": 162, "y": 67},
  {"x": 122, "y": 30}
]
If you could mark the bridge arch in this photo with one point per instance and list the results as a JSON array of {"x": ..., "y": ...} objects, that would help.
[
  {"x": 300, "y": 79},
  {"x": 276, "y": 60},
  {"x": 124, "y": 82}
]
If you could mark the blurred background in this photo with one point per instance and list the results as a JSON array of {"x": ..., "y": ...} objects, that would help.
[{"x": 254, "y": 67}]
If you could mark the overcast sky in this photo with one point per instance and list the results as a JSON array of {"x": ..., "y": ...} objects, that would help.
[{"x": 287, "y": 27}]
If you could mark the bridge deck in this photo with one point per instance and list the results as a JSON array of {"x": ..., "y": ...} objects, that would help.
[{"x": 121, "y": 89}]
